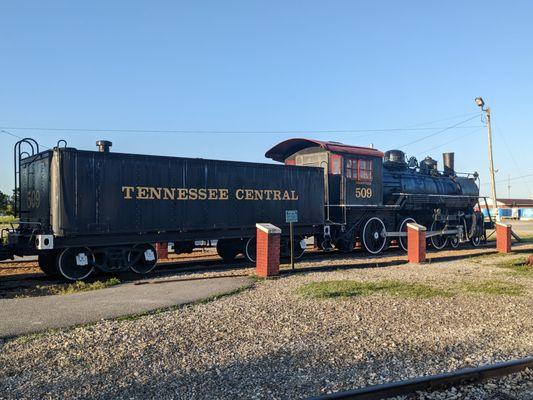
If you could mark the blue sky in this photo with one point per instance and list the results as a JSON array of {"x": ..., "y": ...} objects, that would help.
[{"x": 271, "y": 66}]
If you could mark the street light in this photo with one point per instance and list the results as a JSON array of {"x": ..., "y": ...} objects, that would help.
[{"x": 479, "y": 101}]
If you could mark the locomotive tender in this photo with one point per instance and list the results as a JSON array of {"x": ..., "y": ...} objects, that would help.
[{"x": 86, "y": 210}]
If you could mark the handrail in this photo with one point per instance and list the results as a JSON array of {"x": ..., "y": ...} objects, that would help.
[{"x": 18, "y": 155}]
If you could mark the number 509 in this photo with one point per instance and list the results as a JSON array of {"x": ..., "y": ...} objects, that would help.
[{"x": 363, "y": 193}]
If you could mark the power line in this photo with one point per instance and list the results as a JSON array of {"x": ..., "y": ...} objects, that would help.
[
  {"x": 445, "y": 119},
  {"x": 184, "y": 131},
  {"x": 451, "y": 141},
  {"x": 438, "y": 132},
  {"x": 10, "y": 134},
  {"x": 507, "y": 180},
  {"x": 20, "y": 137},
  {"x": 511, "y": 155}
]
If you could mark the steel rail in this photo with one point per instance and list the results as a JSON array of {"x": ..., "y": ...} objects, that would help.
[{"x": 433, "y": 382}]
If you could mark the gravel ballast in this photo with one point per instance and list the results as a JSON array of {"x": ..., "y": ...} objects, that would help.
[{"x": 271, "y": 342}]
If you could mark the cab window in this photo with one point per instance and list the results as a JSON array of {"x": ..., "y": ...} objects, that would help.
[
  {"x": 351, "y": 169},
  {"x": 364, "y": 170},
  {"x": 359, "y": 170}
]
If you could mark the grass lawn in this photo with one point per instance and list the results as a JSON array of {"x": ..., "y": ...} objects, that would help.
[
  {"x": 517, "y": 266},
  {"x": 352, "y": 288}
]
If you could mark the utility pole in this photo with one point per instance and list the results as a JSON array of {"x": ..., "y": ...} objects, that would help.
[
  {"x": 509, "y": 186},
  {"x": 481, "y": 103}
]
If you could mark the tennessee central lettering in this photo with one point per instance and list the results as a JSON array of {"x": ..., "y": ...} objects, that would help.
[{"x": 161, "y": 193}]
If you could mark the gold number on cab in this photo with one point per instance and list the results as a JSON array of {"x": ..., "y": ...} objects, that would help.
[{"x": 363, "y": 193}]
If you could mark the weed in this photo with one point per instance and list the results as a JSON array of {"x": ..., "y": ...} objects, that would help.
[{"x": 81, "y": 286}]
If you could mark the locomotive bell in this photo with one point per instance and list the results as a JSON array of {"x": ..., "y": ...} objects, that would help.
[
  {"x": 448, "y": 162},
  {"x": 104, "y": 146}
]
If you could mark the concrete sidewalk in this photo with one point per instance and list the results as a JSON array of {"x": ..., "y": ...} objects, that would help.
[{"x": 29, "y": 315}]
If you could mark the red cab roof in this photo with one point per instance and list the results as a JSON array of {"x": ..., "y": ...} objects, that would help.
[{"x": 287, "y": 148}]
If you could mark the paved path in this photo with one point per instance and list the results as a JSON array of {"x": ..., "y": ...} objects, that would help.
[
  {"x": 28, "y": 315},
  {"x": 24, "y": 259}
]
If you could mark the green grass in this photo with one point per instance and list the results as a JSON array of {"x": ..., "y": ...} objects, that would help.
[
  {"x": 517, "y": 266},
  {"x": 481, "y": 258},
  {"x": 81, "y": 286},
  {"x": 349, "y": 288},
  {"x": 494, "y": 287}
]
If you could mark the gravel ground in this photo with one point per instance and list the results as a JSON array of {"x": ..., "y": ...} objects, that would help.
[{"x": 269, "y": 342}]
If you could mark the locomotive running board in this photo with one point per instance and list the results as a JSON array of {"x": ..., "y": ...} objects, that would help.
[{"x": 428, "y": 233}]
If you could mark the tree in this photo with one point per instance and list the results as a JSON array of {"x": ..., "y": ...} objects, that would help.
[
  {"x": 4, "y": 201},
  {"x": 6, "y": 204}
]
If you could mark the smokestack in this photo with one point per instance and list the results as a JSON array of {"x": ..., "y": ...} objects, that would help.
[
  {"x": 104, "y": 146},
  {"x": 448, "y": 160}
]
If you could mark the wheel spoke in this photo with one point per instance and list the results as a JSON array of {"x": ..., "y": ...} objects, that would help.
[
  {"x": 373, "y": 239},
  {"x": 403, "y": 228},
  {"x": 438, "y": 241}
]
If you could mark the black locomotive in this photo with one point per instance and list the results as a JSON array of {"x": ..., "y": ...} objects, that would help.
[
  {"x": 370, "y": 196},
  {"x": 86, "y": 210}
]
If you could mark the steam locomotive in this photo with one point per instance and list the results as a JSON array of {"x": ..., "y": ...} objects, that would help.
[{"x": 82, "y": 211}]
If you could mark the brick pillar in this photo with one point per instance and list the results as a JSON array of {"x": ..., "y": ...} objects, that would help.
[
  {"x": 268, "y": 250},
  {"x": 416, "y": 243},
  {"x": 503, "y": 237},
  {"x": 162, "y": 250}
]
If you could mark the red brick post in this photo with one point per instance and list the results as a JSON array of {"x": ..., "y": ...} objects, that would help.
[
  {"x": 268, "y": 250},
  {"x": 162, "y": 250},
  {"x": 416, "y": 243},
  {"x": 503, "y": 237}
]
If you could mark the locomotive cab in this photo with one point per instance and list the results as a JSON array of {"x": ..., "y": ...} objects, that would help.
[{"x": 352, "y": 175}]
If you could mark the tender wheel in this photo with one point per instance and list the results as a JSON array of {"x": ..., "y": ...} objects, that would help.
[
  {"x": 75, "y": 263},
  {"x": 227, "y": 250},
  {"x": 142, "y": 258},
  {"x": 250, "y": 249},
  {"x": 402, "y": 240},
  {"x": 438, "y": 241},
  {"x": 475, "y": 241},
  {"x": 47, "y": 264},
  {"x": 373, "y": 239},
  {"x": 454, "y": 242}
]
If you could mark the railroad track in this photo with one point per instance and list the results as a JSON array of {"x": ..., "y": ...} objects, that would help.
[
  {"x": 309, "y": 255},
  {"x": 210, "y": 262},
  {"x": 431, "y": 383}
]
